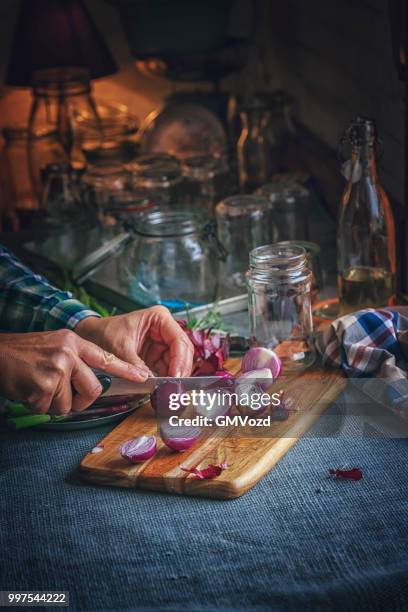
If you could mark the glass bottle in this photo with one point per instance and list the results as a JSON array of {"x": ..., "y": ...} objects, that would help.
[
  {"x": 253, "y": 148},
  {"x": 366, "y": 232},
  {"x": 158, "y": 174},
  {"x": 279, "y": 303}
]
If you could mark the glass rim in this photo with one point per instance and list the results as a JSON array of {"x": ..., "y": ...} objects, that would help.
[{"x": 167, "y": 223}]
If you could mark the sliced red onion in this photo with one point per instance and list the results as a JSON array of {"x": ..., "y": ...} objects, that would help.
[
  {"x": 247, "y": 384},
  {"x": 160, "y": 398},
  {"x": 139, "y": 449},
  {"x": 260, "y": 357},
  {"x": 179, "y": 437}
]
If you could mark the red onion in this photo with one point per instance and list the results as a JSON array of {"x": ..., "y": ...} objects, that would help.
[
  {"x": 139, "y": 449},
  {"x": 263, "y": 377},
  {"x": 178, "y": 437},
  {"x": 224, "y": 374},
  {"x": 260, "y": 357},
  {"x": 214, "y": 404},
  {"x": 249, "y": 385},
  {"x": 160, "y": 398}
]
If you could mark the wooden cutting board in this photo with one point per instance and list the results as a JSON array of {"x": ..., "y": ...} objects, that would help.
[{"x": 248, "y": 454}]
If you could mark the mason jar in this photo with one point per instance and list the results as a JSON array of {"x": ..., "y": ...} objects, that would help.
[
  {"x": 172, "y": 260},
  {"x": 206, "y": 182},
  {"x": 160, "y": 174},
  {"x": 242, "y": 225},
  {"x": 279, "y": 302},
  {"x": 289, "y": 210}
]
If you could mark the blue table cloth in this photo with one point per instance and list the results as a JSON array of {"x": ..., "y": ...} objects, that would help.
[{"x": 298, "y": 540}]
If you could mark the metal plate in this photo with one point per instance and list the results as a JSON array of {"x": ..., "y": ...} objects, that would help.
[{"x": 94, "y": 421}]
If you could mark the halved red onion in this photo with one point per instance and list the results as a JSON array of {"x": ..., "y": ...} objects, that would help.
[
  {"x": 160, "y": 398},
  {"x": 139, "y": 449},
  {"x": 246, "y": 386},
  {"x": 260, "y": 357},
  {"x": 263, "y": 377},
  {"x": 179, "y": 437}
]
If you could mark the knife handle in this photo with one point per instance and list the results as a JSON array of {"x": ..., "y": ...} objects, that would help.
[{"x": 105, "y": 381}]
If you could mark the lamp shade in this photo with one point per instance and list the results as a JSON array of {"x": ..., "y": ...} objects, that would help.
[{"x": 55, "y": 34}]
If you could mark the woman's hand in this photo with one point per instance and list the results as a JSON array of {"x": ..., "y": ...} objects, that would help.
[
  {"x": 42, "y": 370},
  {"x": 145, "y": 337}
]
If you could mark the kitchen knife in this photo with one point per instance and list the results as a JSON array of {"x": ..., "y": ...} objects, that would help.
[{"x": 113, "y": 386}]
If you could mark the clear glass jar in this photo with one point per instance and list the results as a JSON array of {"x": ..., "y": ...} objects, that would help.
[
  {"x": 172, "y": 260},
  {"x": 206, "y": 182},
  {"x": 253, "y": 149},
  {"x": 62, "y": 195},
  {"x": 289, "y": 207},
  {"x": 102, "y": 182},
  {"x": 242, "y": 224},
  {"x": 279, "y": 300},
  {"x": 158, "y": 173},
  {"x": 313, "y": 257},
  {"x": 60, "y": 95}
]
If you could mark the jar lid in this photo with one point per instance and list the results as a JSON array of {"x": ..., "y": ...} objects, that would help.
[
  {"x": 166, "y": 223},
  {"x": 241, "y": 205}
]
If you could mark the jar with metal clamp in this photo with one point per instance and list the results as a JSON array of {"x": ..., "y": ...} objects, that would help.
[{"x": 172, "y": 260}]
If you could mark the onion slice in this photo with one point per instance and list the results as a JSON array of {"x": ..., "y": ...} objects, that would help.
[
  {"x": 139, "y": 449},
  {"x": 260, "y": 357},
  {"x": 160, "y": 398},
  {"x": 179, "y": 437}
]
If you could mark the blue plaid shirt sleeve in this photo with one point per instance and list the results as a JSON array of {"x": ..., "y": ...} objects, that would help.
[{"x": 29, "y": 303}]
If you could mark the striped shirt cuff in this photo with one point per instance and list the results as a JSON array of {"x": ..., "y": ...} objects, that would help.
[{"x": 67, "y": 313}]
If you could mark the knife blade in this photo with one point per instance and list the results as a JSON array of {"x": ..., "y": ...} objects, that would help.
[{"x": 114, "y": 386}]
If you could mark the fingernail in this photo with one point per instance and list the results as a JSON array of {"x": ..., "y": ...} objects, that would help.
[{"x": 144, "y": 373}]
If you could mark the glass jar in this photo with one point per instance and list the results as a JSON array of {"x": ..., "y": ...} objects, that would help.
[
  {"x": 313, "y": 257},
  {"x": 253, "y": 148},
  {"x": 242, "y": 224},
  {"x": 59, "y": 96},
  {"x": 172, "y": 261},
  {"x": 279, "y": 297},
  {"x": 62, "y": 195},
  {"x": 205, "y": 182},
  {"x": 289, "y": 207},
  {"x": 158, "y": 173},
  {"x": 102, "y": 182}
]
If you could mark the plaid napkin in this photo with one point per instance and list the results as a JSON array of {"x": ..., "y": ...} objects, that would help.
[{"x": 371, "y": 344}]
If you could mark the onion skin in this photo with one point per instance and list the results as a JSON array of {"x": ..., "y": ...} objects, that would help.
[
  {"x": 260, "y": 357},
  {"x": 179, "y": 438},
  {"x": 139, "y": 449},
  {"x": 160, "y": 398}
]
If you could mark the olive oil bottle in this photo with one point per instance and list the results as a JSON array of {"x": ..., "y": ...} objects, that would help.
[{"x": 366, "y": 233}]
